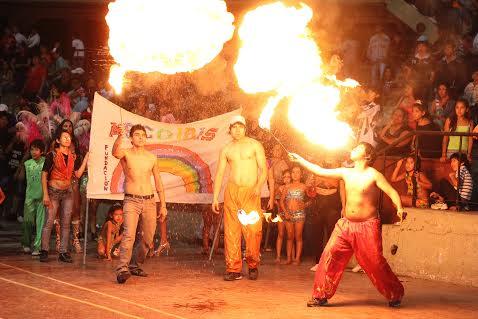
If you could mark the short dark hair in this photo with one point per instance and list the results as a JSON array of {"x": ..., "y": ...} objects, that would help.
[
  {"x": 137, "y": 127},
  {"x": 38, "y": 144},
  {"x": 369, "y": 152}
]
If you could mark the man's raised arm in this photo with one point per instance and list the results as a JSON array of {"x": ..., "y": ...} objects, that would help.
[
  {"x": 316, "y": 169},
  {"x": 118, "y": 151},
  {"x": 221, "y": 168}
]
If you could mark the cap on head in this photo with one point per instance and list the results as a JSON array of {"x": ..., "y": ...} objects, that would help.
[
  {"x": 237, "y": 119},
  {"x": 3, "y": 108}
]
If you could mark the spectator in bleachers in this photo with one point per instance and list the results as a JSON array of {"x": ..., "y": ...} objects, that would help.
[
  {"x": 406, "y": 102},
  {"x": 377, "y": 54},
  {"x": 368, "y": 117},
  {"x": 19, "y": 38},
  {"x": 78, "y": 51},
  {"x": 21, "y": 64},
  {"x": 459, "y": 181},
  {"x": 471, "y": 91},
  {"x": 35, "y": 80},
  {"x": 429, "y": 146},
  {"x": 395, "y": 129},
  {"x": 443, "y": 106},
  {"x": 450, "y": 69},
  {"x": 59, "y": 65},
  {"x": 423, "y": 66},
  {"x": 6, "y": 78},
  {"x": 459, "y": 121},
  {"x": 413, "y": 177},
  {"x": 33, "y": 40}
]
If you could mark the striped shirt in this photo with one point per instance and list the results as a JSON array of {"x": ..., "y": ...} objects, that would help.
[{"x": 465, "y": 183}]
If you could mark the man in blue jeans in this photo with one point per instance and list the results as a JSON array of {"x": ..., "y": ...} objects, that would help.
[{"x": 139, "y": 207}]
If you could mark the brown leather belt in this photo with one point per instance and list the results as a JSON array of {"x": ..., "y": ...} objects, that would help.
[{"x": 139, "y": 196}]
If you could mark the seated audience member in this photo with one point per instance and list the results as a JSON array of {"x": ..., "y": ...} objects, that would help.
[
  {"x": 111, "y": 233},
  {"x": 461, "y": 183},
  {"x": 396, "y": 129},
  {"x": 442, "y": 106},
  {"x": 413, "y": 177},
  {"x": 459, "y": 121},
  {"x": 406, "y": 102},
  {"x": 428, "y": 146}
]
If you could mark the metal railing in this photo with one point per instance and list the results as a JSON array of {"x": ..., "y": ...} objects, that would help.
[{"x": 415, "y": 153}]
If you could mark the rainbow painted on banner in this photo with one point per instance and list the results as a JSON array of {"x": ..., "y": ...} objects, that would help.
[{"x": 175, "y": 160}]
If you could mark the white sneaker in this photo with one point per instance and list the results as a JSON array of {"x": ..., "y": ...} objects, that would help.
[
  {"x": 20, "y": 219},
  {"x": 439, "y": 206},
  {"x": 26, "y": 250},
  {"x": 35, "y": 253}
]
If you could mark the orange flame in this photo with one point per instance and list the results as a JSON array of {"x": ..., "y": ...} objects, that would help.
[
  {"x": 166, "y": 36},
  {"x": 278, "y": 55}
]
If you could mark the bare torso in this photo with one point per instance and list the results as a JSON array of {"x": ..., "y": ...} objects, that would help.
[
  {"x": 138, "y": 168},
  {"x": 242, "y": 158},
  {"x": 361, "y": 194}
]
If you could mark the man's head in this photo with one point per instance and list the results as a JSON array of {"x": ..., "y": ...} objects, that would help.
[
  {"x": 474, "y": 76},
  {"x": 363, "y": 151},
  {"x": 237, "y": 127},
  {"x": 37, "y": 147},
  {"x": 64, "y": 139},
  {"x": 138, "y": 135},
  {"x": 449, "y": 49}
]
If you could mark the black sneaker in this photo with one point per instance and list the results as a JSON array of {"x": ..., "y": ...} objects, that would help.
[
  {"x": 253, "y": 273},
  {"x": 316, "y": 302},
  {"x": 231, "y": 276},
  {"x": 65, "y": 257},
  {"x": 43, "y": 256},
  {"x": 394, "y": 303},
  {"x": 122, "y": 277}
]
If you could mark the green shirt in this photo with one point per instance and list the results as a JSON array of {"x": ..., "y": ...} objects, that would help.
[{"x": 33, "y": 170}]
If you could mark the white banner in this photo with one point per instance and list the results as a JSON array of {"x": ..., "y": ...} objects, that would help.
[{"x": 187, "y": 153}]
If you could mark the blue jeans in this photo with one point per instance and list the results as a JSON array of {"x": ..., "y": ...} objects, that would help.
[
  {"x": 58, "y": 198},
  {"x": 139, "y": 218}
]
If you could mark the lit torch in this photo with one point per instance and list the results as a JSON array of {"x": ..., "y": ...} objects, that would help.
[
  {"x": 278, "y": 55},
  {"x": 165, "y": 36}
]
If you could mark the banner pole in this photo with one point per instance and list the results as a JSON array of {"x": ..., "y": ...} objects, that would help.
[
  {"x": 216, "y": 235},
  {"x": 85, "y": 241}
]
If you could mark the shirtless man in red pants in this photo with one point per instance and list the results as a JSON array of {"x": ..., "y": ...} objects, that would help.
[{"x": 358, "y": 232}]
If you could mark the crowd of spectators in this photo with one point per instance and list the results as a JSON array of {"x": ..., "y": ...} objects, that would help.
[{"x": 406, "y": 85}]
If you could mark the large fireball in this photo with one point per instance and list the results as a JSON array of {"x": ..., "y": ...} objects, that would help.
[{"x": 166, "y": 36}]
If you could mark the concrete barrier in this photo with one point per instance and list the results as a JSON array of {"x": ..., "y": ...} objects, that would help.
[{"x": 437, "y": 245}]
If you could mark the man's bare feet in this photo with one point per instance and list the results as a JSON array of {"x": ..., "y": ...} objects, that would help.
[
  {"x": 286, "y": 262},
  {"x": 296, "y": 262},
  {"x": 277, "y": 260}
]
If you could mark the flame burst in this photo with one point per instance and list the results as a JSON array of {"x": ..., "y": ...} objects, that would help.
[
  {"x": 278, "y": 55},
  {"x": 166, "y": 36}
]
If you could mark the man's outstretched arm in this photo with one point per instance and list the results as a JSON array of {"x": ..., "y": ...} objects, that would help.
[{"x": 316, "y": 169}]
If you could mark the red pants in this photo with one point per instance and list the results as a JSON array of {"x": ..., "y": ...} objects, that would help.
[{"x": 364, "y": 239}]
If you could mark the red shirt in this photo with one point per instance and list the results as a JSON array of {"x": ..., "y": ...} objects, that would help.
[{"x": 35, "y": 79}]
